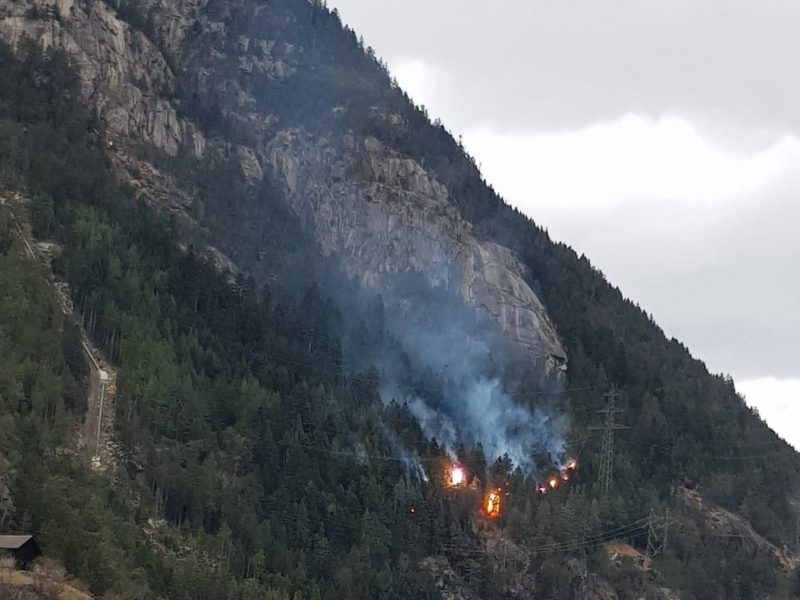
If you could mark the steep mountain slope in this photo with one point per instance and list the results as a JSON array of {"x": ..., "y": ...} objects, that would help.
[
  {"x": 216, "y": 110},
  {"x": 282, "y": 150},
  {"x": 233, "y": 420}
]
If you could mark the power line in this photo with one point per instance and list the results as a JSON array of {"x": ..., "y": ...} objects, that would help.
[
  {"x": 774, "y": 453},
  {"x": 569, "y": 442},
  {"x": 637, "y": 526},
  {"x": 396, "y": 458},
  {"x": 579, "y": 543}
]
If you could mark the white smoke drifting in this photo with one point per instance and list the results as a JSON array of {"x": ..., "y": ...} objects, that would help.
[{"x": 463, "y": 395}]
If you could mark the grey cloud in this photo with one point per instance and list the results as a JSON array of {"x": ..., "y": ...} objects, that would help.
[
  {"x": 536, "y": 64},
  {"x": 727, "y": 285}
]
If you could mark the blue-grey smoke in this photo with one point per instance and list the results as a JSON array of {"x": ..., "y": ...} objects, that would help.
[
  {"x": 410, "y": 458},
  {"x": 460, "y": 389},
  {"x": 482, "y": 413},
  {"x": 454, "y": 369},
  {"x": 434, "y": 424}
]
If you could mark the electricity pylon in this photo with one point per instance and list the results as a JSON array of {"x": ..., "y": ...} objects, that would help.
[
  {"x": 657, "y": 533},
  {"x": 605, "y": 472}
]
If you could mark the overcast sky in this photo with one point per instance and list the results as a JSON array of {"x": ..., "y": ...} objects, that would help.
[{"x": 660, "y": 138}]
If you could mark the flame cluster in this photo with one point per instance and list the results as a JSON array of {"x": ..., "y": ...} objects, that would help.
[
  {"x": 553, "y": 481},
  {"x": 455, "y": 476}
]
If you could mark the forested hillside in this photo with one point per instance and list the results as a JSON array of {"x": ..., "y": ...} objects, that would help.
[
  {"x": 226, "y": 485},
  {"x": 256, "y": 457}
]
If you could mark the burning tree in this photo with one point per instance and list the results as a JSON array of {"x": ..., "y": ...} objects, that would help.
[
  {"x": 491, "y": 504},
  {"x": 553, "y": 481},
  {"x": 456, "y": 476}
]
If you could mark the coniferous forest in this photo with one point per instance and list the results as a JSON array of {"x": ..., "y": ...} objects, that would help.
[{"x": 252, "y": 461}]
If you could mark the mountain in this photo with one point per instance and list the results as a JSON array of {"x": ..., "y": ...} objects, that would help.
[{"x": 311, "y": 303}]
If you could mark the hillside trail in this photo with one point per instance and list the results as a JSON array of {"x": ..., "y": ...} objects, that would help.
[{"x": 95, "y": 436}]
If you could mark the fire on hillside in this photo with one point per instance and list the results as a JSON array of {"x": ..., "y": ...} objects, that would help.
[
  {"x": 567, "y": 472},
  {"x": 491, "y": 504},
  {"x": 456, "y": 476}
]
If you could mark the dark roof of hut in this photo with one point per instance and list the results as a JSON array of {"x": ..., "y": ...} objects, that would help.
[{"x": 13, "y": 542}]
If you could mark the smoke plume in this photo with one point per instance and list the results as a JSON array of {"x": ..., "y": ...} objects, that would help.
[{"x": 458, "y": 376}]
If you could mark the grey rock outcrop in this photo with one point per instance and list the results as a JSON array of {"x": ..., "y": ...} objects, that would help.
[
  {"x": 122, "y": 73},
  {"x": 379, "y": 212},
  {"x": 383, "y": 214}
]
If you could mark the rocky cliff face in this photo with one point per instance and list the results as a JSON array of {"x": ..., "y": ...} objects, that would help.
[
  {"x": 379, "y": 212},
  {"x": 123, "y": 74},
  {"x": 384, "y": 215}
]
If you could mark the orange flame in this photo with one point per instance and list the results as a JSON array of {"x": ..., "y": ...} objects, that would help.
[
  {"x": 457, "y": 476},
  {"x": 553, "y": 481},
  {"x": 492, "y": 504}
]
